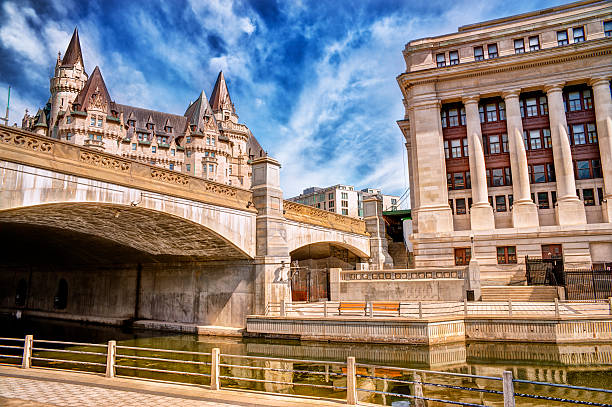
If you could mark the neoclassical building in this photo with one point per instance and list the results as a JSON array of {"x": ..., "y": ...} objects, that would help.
[
  {"x": 207, "y": 141},
  {"x": 508, "y": 130}
]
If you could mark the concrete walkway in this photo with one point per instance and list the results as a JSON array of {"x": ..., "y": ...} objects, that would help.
[{"x": 46, "y": 388}]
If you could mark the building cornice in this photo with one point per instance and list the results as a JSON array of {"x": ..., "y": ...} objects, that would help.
[{"x": 548, "y": 56}]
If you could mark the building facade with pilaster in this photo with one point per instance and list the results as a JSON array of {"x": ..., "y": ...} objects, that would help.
[{"x": 508, "y": 131}]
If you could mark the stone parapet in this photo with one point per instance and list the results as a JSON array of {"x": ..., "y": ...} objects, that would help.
[{"x": 314, "y": 216}]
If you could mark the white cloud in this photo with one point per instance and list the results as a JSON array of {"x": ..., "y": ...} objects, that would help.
[{"x": 17, "y": 34}]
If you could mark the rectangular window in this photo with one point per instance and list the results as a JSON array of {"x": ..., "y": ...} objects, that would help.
[
  {"x": 453, "y": 118},
  {"x": 344, "y": 204},
  {"x": 460, "y": 206},
  {"x": 519, "y": 46},
  {"x": 68, "y": 119},
  {"x": 600, "y": 196},
  {"x": 171, "y": 166},
  {"x": 505, "y": 148},
  {"x": 463, "y": 256},
  {"x": 446, "y": 149},
  {"x": 608, "y": 28},
  {"x": 450, "y": 203},
  {"x": 531, "y": 107},
  {"x": 481, "y": 114},
  {"x": 188, "y": 167},
  {"x": 579, "y": 137},
  {"x": 543, "y": 106},
  {"x": 345, "y": 212},
  {"x": 153, "y": 149},
  {"x": 344, "y": 195},
  {"x": 188, "y": 153},
  {"x": 553, "y": 197},
  {"x": 491, "y": 112},
  {"x": 587, "y": 100},
  {"x": 500, "y": 203},
  {"x": 443, "y": 117},
  {"x": 92, "y": 121},
  {"x": 588, "y": 195},
  {"x": 538, "y": 173},
  {"x": 453, "y": 57},
  {"x": 172, "y": 151},
  {"x": 133, "y": 146},
  {"x": 497, "y": 177},
  {"x": 494, "y": 145},
  {"x": 456, "y": 148},
  {"x": 212, "y": 140},
  {"x": 492, "y": 49},
  {"x": 508, "y": 176},
  {"x": 510, "y": 200},
  {"x": 478, "y": 54},
  {"x": 547, "y": 138},
  {"x": 462, "y": 113},
  {"x": 211, "y": 168},
  {"x": 535, "y": 142},
  {"x": 534, "y": 43},
  {"x": 562, "y": 37},
  {"x": 99, "y": 122},
  {"x": 188, "y": 139},
  {"x": 330, "y": 196},
  {"x": 543, "y": 200},
  {"x": 596, "y": 166},
  {"x": 68, "y": 136},
  {"x": 459, "y": 181},
  {"x": 583, "y": 170},
  {"x": 506, "y": 255},
  {"x": 502, "y": 110},
  {"x": 574, "y": 101},
  {"x": 550, "y": 172},
  {"x": 466, "y": 148},
  {"x": 591, "y": 133},
  {"x": 578, "y": 34},
  {"x": 331, "y": 204},
  {"x": 440, "y": 60}
]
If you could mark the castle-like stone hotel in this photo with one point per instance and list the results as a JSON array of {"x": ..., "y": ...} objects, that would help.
[
  {"x": 207, "y": 141},
  {"x": 508, "y": 128}
]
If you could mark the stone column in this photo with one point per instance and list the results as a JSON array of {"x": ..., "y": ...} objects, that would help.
[
  {"x": 603, "y": 115},
  {"x": 272, "y": 260},
  {"x": 570, "y": 209},
  {"x": 524, "y": 211},
  {"x": 481, "y": 213},
  {"x": 431, "y": 212},
  {"x": 375, "y": 226}
]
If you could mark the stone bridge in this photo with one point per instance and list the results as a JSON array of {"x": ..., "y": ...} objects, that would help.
[{"x": 133, "y": 241}]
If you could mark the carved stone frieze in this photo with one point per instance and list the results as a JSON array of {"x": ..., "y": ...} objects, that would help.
[
  {"x": 220, "y": 189},
  {"x": 312, "y": 215},
  {"x": 104, "y": 161},
  {"x": 170, "y": 177},
  {"x": 30, "y": 143}
]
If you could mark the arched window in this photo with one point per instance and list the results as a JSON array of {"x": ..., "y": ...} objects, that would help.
[
  {"x": 61, "y": 296},
  {"x": 22, "y": 292}
]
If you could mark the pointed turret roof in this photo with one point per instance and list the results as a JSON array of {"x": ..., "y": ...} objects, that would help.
[
  {"x": 41, "y": 119},
  {"x": 94, "y": 93},
  {"x": 197, "y": 111},
  {"x": 73, "y": 53},
  {"x": 220, "y": 98}
]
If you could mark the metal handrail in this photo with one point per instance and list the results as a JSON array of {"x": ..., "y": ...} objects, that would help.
[
  {"x": 71, "y": 343},
  {"x": 80, "y": 362},
  {"x": 322, "y": 362},
  {"x": 163, "y": 370},
  {"x": 162, "y": 359},
  {"x": 388, "y": 393},
  {"x": 186, "y": 352},
  {"x": 407, "y": 369},
  {"x": 68, "y": 351}
]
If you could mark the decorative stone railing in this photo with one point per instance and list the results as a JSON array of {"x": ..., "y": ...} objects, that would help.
[
  {"x": 28, "y": 148},
  {"x": 402, "y": 274},
  {"x": 314, "y": 216}
]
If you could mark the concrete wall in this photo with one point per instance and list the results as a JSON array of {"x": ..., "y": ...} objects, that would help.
[
  {"x": 213, "y": 293},
  {"x": 398, "y": 290}
]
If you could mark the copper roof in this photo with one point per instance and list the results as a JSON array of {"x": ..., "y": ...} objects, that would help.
[
  {"x": 220, "y": 98},
  {"x": 73, "y": 52},
  {"x": 199, "y": 111}
]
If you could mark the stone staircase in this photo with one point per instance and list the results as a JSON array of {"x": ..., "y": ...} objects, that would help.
[
  {"x": 519, "y": 293},
  {"x": 397, "y": 251}
]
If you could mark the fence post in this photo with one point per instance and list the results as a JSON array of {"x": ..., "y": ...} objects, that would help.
[
  {"x": 420, "y": 310},
  {"x": 283, "y": 311},
  {"x": 508, "y": 389},
  {"x": 215, "y": 357},
  {"x": 26, "y": 361},
  {"x": 509, "y": 307},
  {"x": 111, "y": 354},
  {"x": 418, "y": 391},
  {"x": 370, "y": 309},
  {"x": 351, "y": 382},
  {"x": 557, "y": 313}
]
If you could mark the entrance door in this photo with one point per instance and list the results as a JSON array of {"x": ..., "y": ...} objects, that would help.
[
  {"x": 553, "y": 255},
  {"x": 310, "y": 285}
]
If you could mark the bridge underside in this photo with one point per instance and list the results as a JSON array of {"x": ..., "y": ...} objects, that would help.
[{"x": 120, "y": 264}]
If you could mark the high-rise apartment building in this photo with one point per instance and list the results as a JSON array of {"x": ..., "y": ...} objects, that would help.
[{"x": 508, "y": 130}]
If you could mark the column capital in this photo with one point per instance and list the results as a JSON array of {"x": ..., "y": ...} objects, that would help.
[
  {"x": 472, "y": 98},
  {"x": 426, "y": 104},
  {"x": 599, "y": 81},
  {"x": 511, "y": 93},
  {"x": 554, "y": 87}
]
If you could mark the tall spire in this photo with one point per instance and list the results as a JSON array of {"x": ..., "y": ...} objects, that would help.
[
  {"x": 220, "y": 98},
  {"x": 73, "y": 53},
  {"x": 94, "y": 94},
  {"x": 199, "y": 114}
]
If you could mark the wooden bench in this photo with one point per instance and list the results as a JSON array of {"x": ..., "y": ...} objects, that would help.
[{"x": 362, "y": 307}]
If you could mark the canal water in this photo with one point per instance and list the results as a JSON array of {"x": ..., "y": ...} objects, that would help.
[{"x": 588, "y": 365}]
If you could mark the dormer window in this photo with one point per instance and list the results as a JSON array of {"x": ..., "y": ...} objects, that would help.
[
  {"x": 92, "y": 121},
  {"x": 99, "y": 121},
  {"x": 193, "y": 127},
  {"x": 207, "y": 141},
  {"x": 562, "y": 37},
  {"x": 132, "y": 123},
  {"x": 150, "y": 126},
  {"x": 168, "y": 129},
  {"x": 188, "y": 139},
  {"x": 68, "y": 119}
]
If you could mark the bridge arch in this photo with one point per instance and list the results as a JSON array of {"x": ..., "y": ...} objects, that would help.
[{"x": 147, "y": 230}]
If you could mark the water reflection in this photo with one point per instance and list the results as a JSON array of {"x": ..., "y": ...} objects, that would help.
[{"x": 577, "y": 364}]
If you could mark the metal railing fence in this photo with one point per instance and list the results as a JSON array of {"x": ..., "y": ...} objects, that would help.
[
  {"x": 341, "y": 379},
  {"x": 422, "y": 309}
]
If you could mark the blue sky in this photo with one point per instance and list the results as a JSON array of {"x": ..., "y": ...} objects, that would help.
[{"x": 313, "y": 80}]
